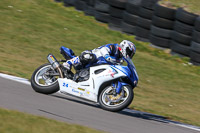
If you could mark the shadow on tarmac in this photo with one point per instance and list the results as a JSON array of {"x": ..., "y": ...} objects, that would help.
[{"x": 127, "y": 112}]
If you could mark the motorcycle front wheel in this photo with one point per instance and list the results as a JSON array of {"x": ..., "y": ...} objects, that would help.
[
  {"x": 110, "y": 101},
  {"x": 44, "y": 79}
]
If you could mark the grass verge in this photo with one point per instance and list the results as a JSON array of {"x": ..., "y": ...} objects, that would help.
[
  {"x": 16, "y": 122},
  {"x": 29, "y": 30},
  {"x": 189, "y": 5}
]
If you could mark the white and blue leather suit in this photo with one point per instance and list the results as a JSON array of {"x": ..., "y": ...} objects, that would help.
[{"x": 110, "y": 53}]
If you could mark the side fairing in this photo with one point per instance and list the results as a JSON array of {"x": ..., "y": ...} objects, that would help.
[
  {"x": 89, "y": 89},
  {"x": 110, "y": 73},
  {"x": 130, "y": 72}
]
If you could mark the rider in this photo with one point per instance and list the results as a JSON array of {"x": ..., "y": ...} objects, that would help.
[{"x": 110, "y": 52}]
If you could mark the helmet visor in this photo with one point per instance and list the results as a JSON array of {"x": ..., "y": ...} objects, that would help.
[{"x": 129, "y": 52}]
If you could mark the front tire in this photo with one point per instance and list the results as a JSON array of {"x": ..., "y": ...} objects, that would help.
[
  {"x": 42, "y": 82},
  {"x": 117, "y": 102}
]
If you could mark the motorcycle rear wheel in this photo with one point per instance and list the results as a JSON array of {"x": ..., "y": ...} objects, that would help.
[
  {"x": 118, "y": 102},
  {"x": 43, "y": 83}
]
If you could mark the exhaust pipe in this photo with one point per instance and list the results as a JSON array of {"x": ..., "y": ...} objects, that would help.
[
  {"x": 54, "y": 63},
  {"x": 52, "y": 60}
]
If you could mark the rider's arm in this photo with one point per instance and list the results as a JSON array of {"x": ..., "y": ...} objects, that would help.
[{"x": 105, "y": 52}]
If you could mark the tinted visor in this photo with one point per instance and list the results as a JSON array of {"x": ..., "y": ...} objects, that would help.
[{"x": 129, "y": 52}]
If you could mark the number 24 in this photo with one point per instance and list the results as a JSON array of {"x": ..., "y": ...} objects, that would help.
[{"x": 65, "y": 85}]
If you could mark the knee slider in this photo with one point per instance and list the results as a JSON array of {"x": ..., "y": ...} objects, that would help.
[{"x": 87, "y": 57}]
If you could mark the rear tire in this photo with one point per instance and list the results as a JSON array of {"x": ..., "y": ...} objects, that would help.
[
  {"x": 124, "y": 99},
  {"x": 42, "y": 86}
]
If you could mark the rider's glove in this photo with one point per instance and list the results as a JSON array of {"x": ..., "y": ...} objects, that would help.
[
  {"x": 111, "y": 59},
  {"x": 119, "y": 62}
]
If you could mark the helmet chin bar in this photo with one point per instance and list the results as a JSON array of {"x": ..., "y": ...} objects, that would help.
[{"x": 122, "y": 51}]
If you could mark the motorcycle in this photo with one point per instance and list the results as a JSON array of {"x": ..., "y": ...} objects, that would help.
[{"x": 110, "y": 85}]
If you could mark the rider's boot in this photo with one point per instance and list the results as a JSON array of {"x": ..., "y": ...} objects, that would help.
[{"x": 74, "y": 61}]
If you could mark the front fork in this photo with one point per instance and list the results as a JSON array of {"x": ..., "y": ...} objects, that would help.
[{"x": 118, "y": 86}]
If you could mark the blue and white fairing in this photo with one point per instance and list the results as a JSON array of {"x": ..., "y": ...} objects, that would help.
[
  {"x": 100, "y": 74},
  {"x": 129, "y": 71}
]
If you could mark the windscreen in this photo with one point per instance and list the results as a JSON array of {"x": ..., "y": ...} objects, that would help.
[{"x": 131, "y": 66}]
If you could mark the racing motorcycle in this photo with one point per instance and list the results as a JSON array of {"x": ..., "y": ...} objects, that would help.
[{"x": 110, "y": 85}]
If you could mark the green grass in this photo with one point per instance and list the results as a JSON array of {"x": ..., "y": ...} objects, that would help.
[
  {"x": 29, "y": 30},
  {"x": 189, "y": 5},
  {"x": 16, "y": 122}
]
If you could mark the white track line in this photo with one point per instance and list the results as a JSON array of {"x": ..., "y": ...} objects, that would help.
[
  {"x": 152, "y": 116},
  {"x": 14, "y": 78}
]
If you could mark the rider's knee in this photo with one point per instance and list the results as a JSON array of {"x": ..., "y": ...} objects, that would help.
[{"x": 87, "y": 57}]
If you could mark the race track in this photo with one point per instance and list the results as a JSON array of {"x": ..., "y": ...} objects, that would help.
[{"x": 18, "y": 96}]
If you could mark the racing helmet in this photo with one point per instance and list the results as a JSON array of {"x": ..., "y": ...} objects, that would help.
[{"x": 127, "y": 48}]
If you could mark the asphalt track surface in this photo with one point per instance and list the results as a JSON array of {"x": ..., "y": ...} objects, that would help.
[{"x": 21, "y": 97}]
